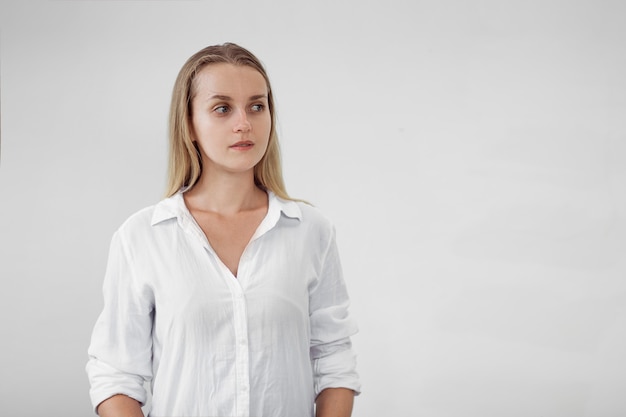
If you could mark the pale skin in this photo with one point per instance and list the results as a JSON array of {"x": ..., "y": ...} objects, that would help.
[{"x": 231, "y": 123}]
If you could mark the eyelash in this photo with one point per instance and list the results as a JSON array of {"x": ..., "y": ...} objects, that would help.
[{"x": 219, "y": 110}]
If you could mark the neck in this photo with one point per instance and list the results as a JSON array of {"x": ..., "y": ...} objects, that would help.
[{"x": 226, "y": 194}]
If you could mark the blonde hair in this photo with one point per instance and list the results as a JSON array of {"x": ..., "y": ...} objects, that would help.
[{"x": 185, "y": 163}]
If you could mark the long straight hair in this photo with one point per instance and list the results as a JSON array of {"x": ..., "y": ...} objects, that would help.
[{"x": 185, "y": 163}]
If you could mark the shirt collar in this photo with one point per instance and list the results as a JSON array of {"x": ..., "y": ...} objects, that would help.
[{"x": 174, "y": 207}]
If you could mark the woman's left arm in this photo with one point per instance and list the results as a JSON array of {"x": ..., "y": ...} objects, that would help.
[
  {"x": 334, "y": 402},
  {"x": 336, "y": 381}
]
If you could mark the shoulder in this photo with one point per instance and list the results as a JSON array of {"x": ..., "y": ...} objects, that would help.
[
  {"x": 314, "y": 221},
  {"x": 147, "y": 232},
  {"x": 144, "y": 220},
  {"x": 137, "y": 224},
  {"x": 306, "y": 214},
  {"x": 313, "y": 215}
]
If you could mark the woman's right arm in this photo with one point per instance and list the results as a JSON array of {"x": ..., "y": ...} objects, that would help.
[
  {"x": 119, "y": 406},
  {"x": 120, "y": 353}
]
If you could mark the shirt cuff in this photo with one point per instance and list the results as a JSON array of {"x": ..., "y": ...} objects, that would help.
[
  {"x": 107, "y": 381},
  {"x": 336, "y": 371}
]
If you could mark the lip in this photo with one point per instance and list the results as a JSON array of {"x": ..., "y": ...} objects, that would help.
[{"x": 242, "y": 145}]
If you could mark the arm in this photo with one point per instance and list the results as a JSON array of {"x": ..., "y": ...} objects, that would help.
[
  {"x": 334, "y": 402},
  {"x": 120, "y": 352},
  {"x": 336, "y": 381},
  {"x": 119, "y": 406}
]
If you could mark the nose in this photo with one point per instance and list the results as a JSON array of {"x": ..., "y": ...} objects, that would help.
[{"x": 242, "y": 124}]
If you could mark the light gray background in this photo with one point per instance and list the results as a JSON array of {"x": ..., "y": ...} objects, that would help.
[{"x": 472, "y": 155}]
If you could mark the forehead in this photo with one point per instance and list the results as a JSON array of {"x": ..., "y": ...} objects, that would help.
[{"x": 229, "y": 79}]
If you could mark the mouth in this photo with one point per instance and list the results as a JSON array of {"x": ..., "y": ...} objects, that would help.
[{"x": 244, "y": 144}]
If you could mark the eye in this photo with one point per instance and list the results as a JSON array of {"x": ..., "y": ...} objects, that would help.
[
  {"x": 222, "y": 109},
  {"x": 257, "y": 108}
]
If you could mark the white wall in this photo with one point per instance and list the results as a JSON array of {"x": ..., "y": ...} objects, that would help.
[{"x": 472, "y": 155}]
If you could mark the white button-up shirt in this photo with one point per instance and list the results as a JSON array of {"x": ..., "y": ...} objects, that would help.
[{"x": 262, "y": 344}]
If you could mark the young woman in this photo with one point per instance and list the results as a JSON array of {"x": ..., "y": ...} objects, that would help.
[{"x": 228, "y": 295}]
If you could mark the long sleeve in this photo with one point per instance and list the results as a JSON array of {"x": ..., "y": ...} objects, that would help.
[
  {"x": 333, "y": 360},
  {"x": 120, "y": 352}
]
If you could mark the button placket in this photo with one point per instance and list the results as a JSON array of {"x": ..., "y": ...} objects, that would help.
[{"x": 241, "y": 348}]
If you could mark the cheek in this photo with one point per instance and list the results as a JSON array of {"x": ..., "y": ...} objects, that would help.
[
  {"x": 267, "y": 126},
  {"x": 196, "y": 128},
  {"x": 204, "y": 129}
]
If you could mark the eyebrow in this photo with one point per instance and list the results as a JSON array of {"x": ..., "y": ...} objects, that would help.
[{"x": 228, "y": 98}]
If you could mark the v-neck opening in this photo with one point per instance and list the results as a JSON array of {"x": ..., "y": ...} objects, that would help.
[{"x": 268, "y": 221}]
